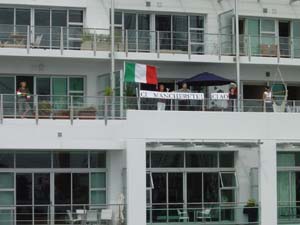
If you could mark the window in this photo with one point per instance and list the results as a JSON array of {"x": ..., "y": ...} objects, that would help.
[
  {"x": 33, "y": 160},
  {"x": 70, "y": 160},
  {"x": 6, "y": 16},
  {"x": 202, "y": 159},
  {"x": 6, "y": 159},
  {"x": 97, "y": 159},
  {"x": 23, "y": 17},
  {"x": 75, "y": 16},
  {"x": 167, "y": 159},
  {"x": 228, "y": 180},
  {"x": 42, "y": 17},
  {"x": 226, "y": 159},
  {"x": 288, "y": 159},
  {"x": 149, "y": 181},
  {"x": 98, "y": 188}
]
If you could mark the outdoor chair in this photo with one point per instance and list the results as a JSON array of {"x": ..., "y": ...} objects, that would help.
[
  {"x": 204, "y": 214},
  {"x": 183, "y": 216},
  {"x": 106, "y": 216},
  {"x": 38, "y": 41},
  {"x": 71, "y": 219},
  {"x": 92, "y": 217}
]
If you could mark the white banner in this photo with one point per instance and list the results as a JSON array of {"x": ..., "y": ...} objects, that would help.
[
  {"x": 171, "y": 95},
  {"x": 219, "y": 96}
]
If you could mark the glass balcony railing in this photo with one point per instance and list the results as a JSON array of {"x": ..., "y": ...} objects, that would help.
[
  {"x": 208, "y": 213},
  {"x": 160, "y": 42}
]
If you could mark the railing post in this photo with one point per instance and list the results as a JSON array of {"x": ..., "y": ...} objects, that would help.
[
  {"x": 189, "y": 44},
  {"x": 137, "y": 41},
  {"x": 294, "y": 106},
  {"x": 37, "y": 110},
  {"x": 28, "y": 39},
  {"x": 126, "y": 43},
  {"x": 158, "y": 44},
  {"x": 61, "y": 40},
  {"x": 1, "y": 109},
  {"x": 71, "y": 110},
  {"x": 219, "y": 46},
  {"x": 105, "y": 110},
  {"x": 278, "y": 49},
  {"x": 95, "y": 43},
  {"x": 249, "y": 48}
]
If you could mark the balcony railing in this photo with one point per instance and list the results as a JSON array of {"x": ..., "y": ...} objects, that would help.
[
  {"x": 158, "y": 42},
  {"x": 107, "y": 108},
  {"x": 208, "y": 213},
  {"x": 288, "y": 212},
  {"x": 63, "y": 214}
]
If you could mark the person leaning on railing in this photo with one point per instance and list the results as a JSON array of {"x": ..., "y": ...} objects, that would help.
[
  {"x": 23, "y": 98},
  {"x": 268, "y": 101},
  {"x": 184, "y": 105}
]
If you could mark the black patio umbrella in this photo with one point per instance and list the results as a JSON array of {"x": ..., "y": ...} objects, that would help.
[{"x": 206, "y": 79}]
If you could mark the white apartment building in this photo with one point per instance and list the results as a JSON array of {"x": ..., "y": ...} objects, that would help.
[{"x": 88, "y": 151}]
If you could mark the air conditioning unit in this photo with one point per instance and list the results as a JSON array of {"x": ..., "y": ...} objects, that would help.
[
  {"x": 265, "y": 10},
  {"x": 148, "y": 4}
]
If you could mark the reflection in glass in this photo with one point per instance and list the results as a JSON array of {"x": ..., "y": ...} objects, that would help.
[{"x": 80, "y": 188}]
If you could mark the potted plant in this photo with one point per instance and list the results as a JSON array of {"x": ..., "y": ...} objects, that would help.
[
  {"x": 88, "y": 113},
  {"x": 251, "y": 210},
  {"x": 45, "y": 109},
  {"x": 62, "y": 114}
]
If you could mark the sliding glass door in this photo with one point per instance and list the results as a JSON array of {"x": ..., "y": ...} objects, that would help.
[{"x": 296, "y": 38}]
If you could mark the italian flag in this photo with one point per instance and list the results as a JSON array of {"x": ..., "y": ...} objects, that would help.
[{"x": 140, "y": 73}]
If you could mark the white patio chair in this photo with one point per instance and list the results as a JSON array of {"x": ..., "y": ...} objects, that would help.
[
  {"x": 71, "y": 219},
  {"x": 204, "y": 214},
  {"x": 38, "y": 41},
  {"x": 106, "y": 216},
  {"x": 183, "y": 216},
  {"x": 92, "y": 217}
]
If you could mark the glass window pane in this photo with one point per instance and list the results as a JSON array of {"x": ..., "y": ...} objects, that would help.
[
  {"x": 42, "y": 17},
  {"x": 228, "y": 196},
  {"x": 76, "y": 16},
  {"x": 43, "y": 86},
  {"x": 201, "y": 159},
  {"x": 80, "y": 188},
  {"x": 268, "y": 25},
  {"x": 175, "y": 187},
  {"x": 70, "y": 160},
  {"x": 228, "y": 180},
  {"x": 118, "y": 18},
  {"x": 196, "y": 21},
  {"x": 59, "y": 86},
  {"x": 194, "y": 187},
  {"x": 6, "y": 16},
  {"x": 211, "y": 187},
  {"x": 180, "y": 23},
  {"x": 98, "y": 160},
  {"x": 159, "y": 194},
  {"x": 62, "y": 188},
  {"x": 143, "y": 22},
  {"x": 76, "y": 84},
  {"x": 6, "y": 198},
  {"x": 42, "y": 188},
  {"x": 24, "y": 189},
  {"x": 167, "y": 159},
  {"x": 59, "y": 18},
  {"x": 98, "y": 197},
  {"x": 226, "y": 159},
  {"x": 23, "y": 17},
  {"x": 149, "y": 181},
  {"x": 6, "y": 160},
  {"x": 98, "y": 180},
  {"x": 6, "y": 181},
  {"x": 130, "y": 21},
  {"x": 286, "y": 159},
  {"x": 33, "y": 160}
]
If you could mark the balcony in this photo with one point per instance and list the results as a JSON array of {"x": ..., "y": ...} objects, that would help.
[
  {"x": 114, "y": 108},
  {"x": 150, "y": 45}
]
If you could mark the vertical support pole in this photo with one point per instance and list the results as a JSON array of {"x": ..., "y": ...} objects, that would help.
[
  {"x": 62, "y": 40},
  {"x": 278, "y": 50},
  {"x": 137, "y": 41},
  {"x": 158, "y": 44},
  {"x": 126, "y": 43},
  {"x": 1, "y": 109},
  {"x": 237, "y": 46},
  {"x": 122, "y": 93},
  {"x": 294, "y": 106},
  {"x": 268, "y": 182},
  {"x": 105, "y": 110},
  {"x": 95, "y": 43},
  {"x": 112, "y": 73},
  {"x": 28, "y": 40},
  {"x": 249, "y": 48},
  {"x": 71, "y": 110},
  {"x": 37, "y": 110},
  {"x": 219, "y": 46},
  {"x": 189, "y": 44}
]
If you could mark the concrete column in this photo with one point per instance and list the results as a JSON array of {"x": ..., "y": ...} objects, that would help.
[
  {"x": 268, "y": 182},
  {"x": 136, "y": 182}
]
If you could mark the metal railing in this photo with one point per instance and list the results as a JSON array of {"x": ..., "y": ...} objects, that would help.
[
  {"x": 191, "y": 43},
  {"x": 288, "y": 212},
  {"x": 206, "y": 213},
  {"x": 106, "y": 108},
  {"x": 63, "y": 214}
]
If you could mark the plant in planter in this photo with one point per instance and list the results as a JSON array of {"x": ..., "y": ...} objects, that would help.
[
  {"x": 251, "y": 209},
  {"x": 45, "y": 109},
  {"x": 62, "y": 114},
  {"x": 88, "y": 113}
]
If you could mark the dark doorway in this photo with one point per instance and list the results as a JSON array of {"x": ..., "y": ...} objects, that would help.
[
  {"x": 163, "y": 24},
  {"x": 284, "y": 35},
  {"x": 293, "y": 92},
  {"x": 28, "y": 80}
]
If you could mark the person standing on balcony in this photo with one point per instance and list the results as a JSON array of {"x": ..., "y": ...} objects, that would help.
[
  {"x": 23, "y": 98},
  {"x": 267, "y": 97},
  {"x": 184, "y": 105},
  {"x": 232, "y": 96},
  {"x": 161, "y": 103}
]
